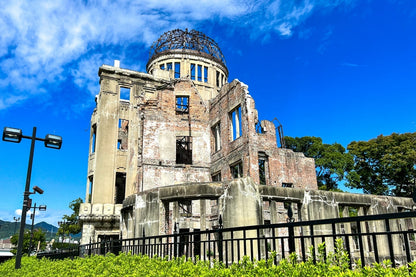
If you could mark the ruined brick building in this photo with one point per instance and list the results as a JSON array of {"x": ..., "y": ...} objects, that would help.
[{"x": 179, "y": 146}]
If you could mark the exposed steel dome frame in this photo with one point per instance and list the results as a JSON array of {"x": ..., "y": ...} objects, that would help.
[{"x": 178, "y": 40}]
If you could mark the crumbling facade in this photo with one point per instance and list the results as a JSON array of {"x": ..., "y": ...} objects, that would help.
[
  {"x": 179, "y": 123},
  {"x": 178, "y": 147}
]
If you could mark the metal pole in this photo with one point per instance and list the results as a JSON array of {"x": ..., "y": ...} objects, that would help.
[
  {"x": 31, "y": 230},
  {"x": 25, "y": 202}
]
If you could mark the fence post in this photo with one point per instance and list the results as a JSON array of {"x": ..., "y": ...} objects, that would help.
[
  {"x": 220, "y": 240},
  {"x": 291, "y": 230},
  {"x": 89, "y": 248},
  {"x": 143, "y": 243},
  {"x": 175, "y": 241}
]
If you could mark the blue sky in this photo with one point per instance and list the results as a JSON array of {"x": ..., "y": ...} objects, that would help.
[{"x": 340, "y": 70}]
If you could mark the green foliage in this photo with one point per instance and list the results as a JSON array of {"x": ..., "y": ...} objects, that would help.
[
  {"x": 336, "y": 264},
  {"x": 331, "y": 161},
  {"x": 38, "y": 236},
  {"x": 385, "y": 165},
  {"x": 72, "y": 224}
]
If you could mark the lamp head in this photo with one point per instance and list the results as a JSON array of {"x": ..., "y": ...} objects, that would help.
[
  {"x": 12, "y": 134},
  {"x": 38, "y": 189},
  {"x": 53, "y": 141}
]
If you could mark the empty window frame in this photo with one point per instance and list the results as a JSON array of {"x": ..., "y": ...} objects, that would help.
[
  {"x": 182, "y": 104},
  {"x": 169, "y": 66},
  {"x": 205, "y": 74},
  {"x": 93, "y": 137},
  {"x": 162, "y": 66},
  {"x": 185, "y": 208},
  {"x": 216, "y": 177},
  {"x": 177, "y": 70},
  {"x": 192, "y": 71},
  {"x": 89, "y": 189},
  {"x": 237, "y": 170},
  {"x": 124, "y": 93},
  {"x": 184, "y": 150},
  {"x": 235, "y": 118},
  {"x": 216, "y": 133},
  {"x": 287, "y": 185},
  {"x": 120, "y": 186},
  {"x": 263, "y": 168},
  {"x": 200, "y": 73},
  {"x": 123, "y": 133}
]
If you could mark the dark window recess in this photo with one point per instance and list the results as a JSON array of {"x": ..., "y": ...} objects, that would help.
[
  {"x": 216, "y": 133},
  {"x": 185, "y": 208},
  {"x": 120, "y": 187},
  {"x": 162, "y": 66},
  {"x": 192, "y": 71},
  {"x": 287, "y": 185},
  {"x": 266, "y": 222},
  {"x": 263, "y": 168},
  {"x": 184, "y": 150},
  {"x": 200, "y": 73},
  {"x": 169, "y": 66},
  {"x": 218, "y": 79},
  {"x": 177, "y": 70},
  {"x": 216, "y": 177},
  {"x": 182, "y": 104},
  {"x": 205, "y": 74},
  {"x": 91, "y": 181},
  {"x": 237, "y": 170}
]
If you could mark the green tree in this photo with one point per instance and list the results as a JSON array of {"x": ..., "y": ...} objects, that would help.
[
  {"x": 385, "y": 165},
  {"x": 71, "y": 223},
  {"x": 332, "y": 162},
  {"x": 38, "y": 236}
]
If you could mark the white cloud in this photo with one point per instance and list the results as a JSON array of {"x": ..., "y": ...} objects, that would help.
[{"x": 41, "y": 39}]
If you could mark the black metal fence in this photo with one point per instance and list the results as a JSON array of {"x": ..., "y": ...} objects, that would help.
[{"x": 370, "y": 239}]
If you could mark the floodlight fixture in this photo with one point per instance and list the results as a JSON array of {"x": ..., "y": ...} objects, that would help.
[
  {"x": 53, "y": 141},
  {"x": 12, "y": 134},
  {"x": 42, "y": 208}
]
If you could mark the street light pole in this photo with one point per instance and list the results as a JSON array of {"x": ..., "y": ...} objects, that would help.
[
  {"x": 32, "y": 216},
  {"x": 51, "y": 141},
  {"x": 16, "y": 219},
  {"x": 25, "y": 202}
]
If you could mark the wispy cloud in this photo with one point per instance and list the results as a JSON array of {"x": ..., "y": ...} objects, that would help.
[
  {"x": 347, "y": 64},
  {"x": 41, "y": 39}
]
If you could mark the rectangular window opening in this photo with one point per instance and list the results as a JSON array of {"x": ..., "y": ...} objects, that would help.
[
  {"x": 235, "y": 117},
  {"x": 177, "y": 70},
  {"x": 200, "y": 73},
  {"x": 184, "y": 150},
  {"x": 192, "y": 71},
  {"x": 263, "y": 168},
  {"x": 216, "y": 133},
  {"x": 182, "y": 104},
  {"x": 216, "y": 177},
  {"x": 185, "y": 208},
  {"x": 237, "y": 170},
  {"x": 124, "y": 93},
  {"x": 205, "y": 74},
  {"x": 218, "y": 79},
  {"x": 93, "y": 137},
  {"x": 90, "y": 180},
  {"x": 169, "y": 66},
  {"x": 120, "y": 188},
  {"x": 287, "y": 185},
  {"x": 123, "y": 134}
]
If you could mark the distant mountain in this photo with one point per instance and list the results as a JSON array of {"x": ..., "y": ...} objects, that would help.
[{"x": 7, "y": 229}]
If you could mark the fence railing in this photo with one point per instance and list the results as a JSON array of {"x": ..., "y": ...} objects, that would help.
[{"x": 372, "y": 238}]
